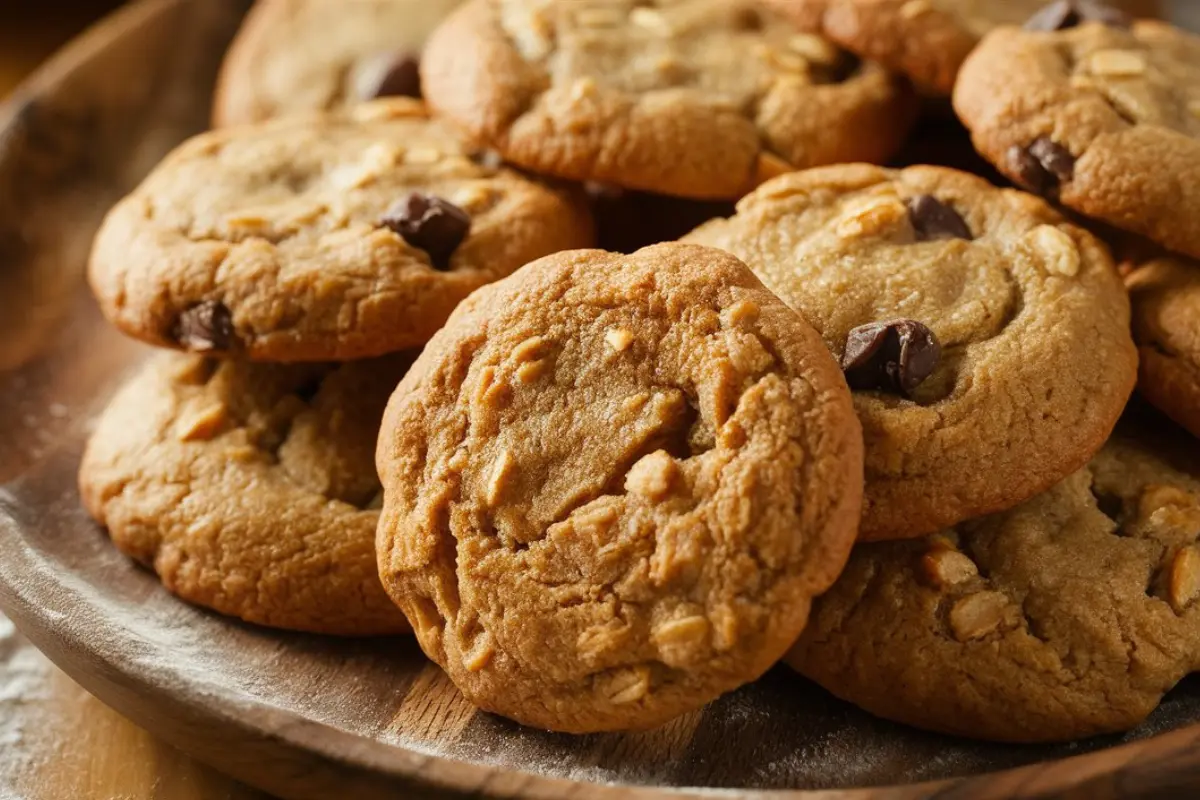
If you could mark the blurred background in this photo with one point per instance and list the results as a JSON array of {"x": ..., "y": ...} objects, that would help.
[{"x": 30, "y": 30}]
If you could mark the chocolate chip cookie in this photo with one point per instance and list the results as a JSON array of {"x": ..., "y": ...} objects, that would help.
[
  {"x": 337, "y": 236},
  {"x": 1101, "y": 117},
  {"x": 612, "y": 485},
  {"x": 986, "y": 338},
  {"x": 1166, "y": 326},
  {"x": 1068, "y": 616},
  {"x": 697, "y": 98},
  {"x": 926, "y": 40},
  {"x": 296, "y": 56},
  {"x": 250, "y": 488}
]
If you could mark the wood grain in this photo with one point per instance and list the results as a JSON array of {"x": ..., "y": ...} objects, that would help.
[
  {"x": 56, "y": 739},
  {"x": 61, "y": 742},
  {"x": 308, "y": 717}
]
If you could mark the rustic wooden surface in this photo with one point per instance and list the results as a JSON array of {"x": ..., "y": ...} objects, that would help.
[
  {"x": 57, "y": 740},
  {"x": 314, "y": 717}
]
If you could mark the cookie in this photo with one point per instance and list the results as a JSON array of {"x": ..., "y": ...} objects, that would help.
[
  {"x": 1068, "y": 616},
  {"x": 697, "y": 98},
  {"x": 298, "y": 56},
  {"x": 1102, "y": 118},
  {"x": 250, "y": 488},
  {"x": 987, "y": 339},
  {"x": 1166, "y": 326},
  {"x": 612, "y": 485},
  {"x": 925, "y": 40},
  {"x": 332, "y": 237}
]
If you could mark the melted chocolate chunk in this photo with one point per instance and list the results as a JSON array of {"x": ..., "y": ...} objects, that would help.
[
  {"x": 431, "y": 224},
  {"x": 205, "y": 328},
  {"x": 933, "y": 219},
  {"x": 1043, "y": 165},
  {"x": 894, "y": 356}
]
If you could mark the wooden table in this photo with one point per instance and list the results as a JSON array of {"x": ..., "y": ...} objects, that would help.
[{"x": 56, "y": 740}]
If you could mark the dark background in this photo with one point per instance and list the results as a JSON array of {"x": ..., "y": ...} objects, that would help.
[{"x": 30, "y": 30}]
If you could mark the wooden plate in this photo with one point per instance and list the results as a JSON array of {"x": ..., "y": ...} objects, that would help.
[{"x": 303, "y": 716}]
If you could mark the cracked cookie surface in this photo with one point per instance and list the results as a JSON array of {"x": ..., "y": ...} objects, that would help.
[
  {"x": 1068, "y": 616},
  {"x": 250, "y": 488},
  {"x": 1166, "y": 326},
  {"x": 288, "y": 241},
  {"x": 1104, "y": 119},
  {"x": 1036, "y": 360},
  {"x": 698, "y": 98},
  {"x": 612, "y": 485},
  {"x": 296, "y": 56}
]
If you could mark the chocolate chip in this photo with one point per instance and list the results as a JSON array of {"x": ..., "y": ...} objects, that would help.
[
  {"x": 431, "y": 224},
  {"x": 1054, "y": 157},
  {"x": 1030, "y": 172},
  {"x": 392, "y": 75},
  {"x": 1070, "y": 13},
  {"x": 207, "y": 327},
  {"x": 1042, "y": 166},
  {"x": 933, "y": 219},
  {"x": 894, "y": 356}
]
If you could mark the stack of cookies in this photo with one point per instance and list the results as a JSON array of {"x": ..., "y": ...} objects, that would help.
[
  {"x": 298, "y": 264},
  {"x": 604, "y": 486}
]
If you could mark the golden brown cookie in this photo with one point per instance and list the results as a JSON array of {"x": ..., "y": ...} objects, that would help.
[
  {"x": 1068, "y": 616},
  {"x": 1105, "y": 119},
  {"x": 926, "y": 40},
  {"x": 697, "y": 98},
  {"x": 250, "y": 488},
  {"x": 297, "y": 56},
  {"x": 612, "y": 485},
  {"x": 330, "y": 237},
  {"x": 987, "y": 339},
  {"x": 1166, "y": 326}
]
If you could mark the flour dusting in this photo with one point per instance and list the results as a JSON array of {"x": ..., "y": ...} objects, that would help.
[{"x": 23, "y": 684}]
